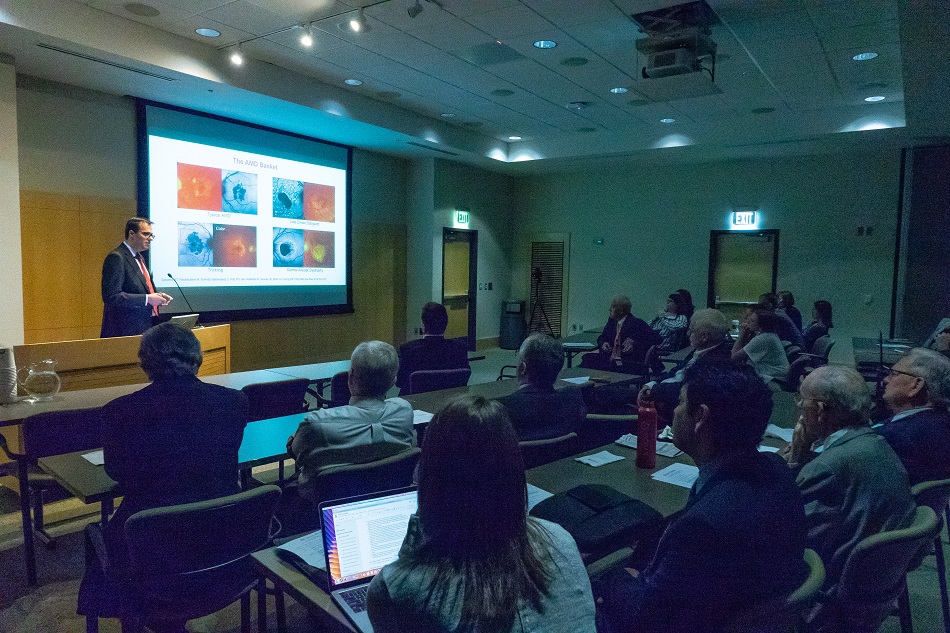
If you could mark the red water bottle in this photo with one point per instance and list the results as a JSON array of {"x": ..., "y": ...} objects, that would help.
[{"x": 646, "y": 435}]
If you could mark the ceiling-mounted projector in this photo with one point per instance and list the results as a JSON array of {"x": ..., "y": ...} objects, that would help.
[{"x": 678, "y": 39}]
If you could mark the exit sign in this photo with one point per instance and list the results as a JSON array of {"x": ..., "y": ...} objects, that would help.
[
  {"x": 461, "y": 219},
  {"x": 743, "y": 218}
]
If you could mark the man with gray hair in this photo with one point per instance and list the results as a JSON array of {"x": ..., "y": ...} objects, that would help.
[
  {"x": 851, "y": 481},
  {"x": 623, "y": 344},
  {"x": 917, "y": 392},
  {"x": 537, "y": 410},
  {"x": 369, "y": 428}
]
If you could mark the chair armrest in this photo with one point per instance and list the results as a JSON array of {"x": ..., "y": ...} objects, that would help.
[
  {"x": 96, "y": 552},
  {"x": 628, "y": 417},
  {"x": 6, "y": 449}
]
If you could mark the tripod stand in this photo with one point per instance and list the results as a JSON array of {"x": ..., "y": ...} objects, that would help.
[{"x": 537, "y": 307}]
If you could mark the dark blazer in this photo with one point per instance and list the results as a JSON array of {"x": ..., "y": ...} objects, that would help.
[
  {"x": 174, "y": 441},
  {"x": 666, "y": 395},
  {"x": 739, "y": 542},
  {"x": 643, "y": 337},
  {"x": 922, "y": 441},
  {"x": 124, "y": 311},
  {"x": 538, "y": 413},
  {"x": 430, "y": 352}
]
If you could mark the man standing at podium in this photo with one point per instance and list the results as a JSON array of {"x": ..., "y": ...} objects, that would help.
[{"x": 129, "y": 299}]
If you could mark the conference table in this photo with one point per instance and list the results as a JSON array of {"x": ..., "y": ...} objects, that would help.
[{"x": 579, "y": 343}]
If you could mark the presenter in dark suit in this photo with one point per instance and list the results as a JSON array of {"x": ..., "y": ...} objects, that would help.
[
  {"x": 433, "y": 350},
  {"x": 129, "y": 299},
  {"x": 537, "y": 410},
  {"x": 917, "y": 392},
  {"x": 740, "y": 539},
  {"x": 623, "y": 344}
]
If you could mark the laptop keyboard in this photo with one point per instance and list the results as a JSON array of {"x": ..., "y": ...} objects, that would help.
[{"x": 356, "y": 598}]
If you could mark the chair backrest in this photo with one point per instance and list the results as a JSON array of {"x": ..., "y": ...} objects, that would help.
[
  {"x": 394, "y": 471},
  {"x": 876, "y": 567},
  {"x": 340, "y": 389},
  {"x": 822, "y": 347},
  {"x": 538, "y": 452},
  {"x": 59, "y": 432},
  {"x": 933, "y": 494},
  {"x": 796, "y": 371},
  {"x": 187, "y": 539},
  {"x": 503, "y": 373},
  {"x": 434, "y": 379},
  {"x": 276, "y": 399},
  {"x": 787, "y": 611}
]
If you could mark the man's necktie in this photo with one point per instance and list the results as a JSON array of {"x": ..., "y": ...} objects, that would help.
[{"x": 148, "y": 280}]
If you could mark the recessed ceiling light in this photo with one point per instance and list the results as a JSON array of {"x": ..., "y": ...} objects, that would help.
[
  {"x": 447, "y": 115},
  {"x": 208, "y": 32},
  {"x": 874, "y": 99},
  {"x": 863, "y": 57},
  {"x": 502, "y": 92},
  {"x": 667, "y": 120},
  {"x": 353, "y": 82},
  {"x": 514, "y": 138},
  {"x": 578, "y": 105},
  {"x": 141, "y": 10},
  {"x": 619, "y": 90},
  {"x": 237, "y": 56},
  {"x": 545, "y": 44},
  {"x": 574, "y": 61}
]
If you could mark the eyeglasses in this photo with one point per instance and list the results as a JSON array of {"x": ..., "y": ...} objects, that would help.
[
  {"x": 891, "y": 372},
  {"x": 800, "y": 401},
  {"x": 147, "y": 234}
]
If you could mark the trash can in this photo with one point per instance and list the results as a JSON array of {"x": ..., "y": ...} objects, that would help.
[{"x": 514, "y": 328}]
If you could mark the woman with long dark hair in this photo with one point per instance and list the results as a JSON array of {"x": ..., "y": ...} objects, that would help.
[
  {"x": 671, "y": 324},
  {"x": 820, "y": 325},
  {"x": 472, "y": 560}
]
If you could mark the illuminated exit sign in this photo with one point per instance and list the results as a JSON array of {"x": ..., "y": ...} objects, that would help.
[
  {"x": 461, "y": 219},
  {"x": 743, "y": 218}
]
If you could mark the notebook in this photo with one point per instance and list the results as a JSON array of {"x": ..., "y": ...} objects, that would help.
[{"x": 361, "y": 535}]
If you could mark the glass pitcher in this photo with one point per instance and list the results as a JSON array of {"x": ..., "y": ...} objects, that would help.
[{"x": 40, "y": 380}]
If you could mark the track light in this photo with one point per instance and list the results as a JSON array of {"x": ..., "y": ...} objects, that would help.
[
  {"x": 306, "y": 39},
  {"x": 237, "y": 56},
  {"x": 359, "y": 23},
  {"x": 415, "y": 10}
]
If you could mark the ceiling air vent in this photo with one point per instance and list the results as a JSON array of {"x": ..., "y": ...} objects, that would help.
[{"x": 105, "y": 61}]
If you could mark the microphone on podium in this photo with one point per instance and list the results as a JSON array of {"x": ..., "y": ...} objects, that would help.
[{"x": 182, "y": 292}]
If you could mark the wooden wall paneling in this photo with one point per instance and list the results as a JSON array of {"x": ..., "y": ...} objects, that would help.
[{"x": 102, "y": 221}]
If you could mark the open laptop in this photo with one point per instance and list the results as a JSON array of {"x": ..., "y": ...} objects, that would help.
[
  {"x": 361, "y": 535},
  {"x": 188, "y": 321}
]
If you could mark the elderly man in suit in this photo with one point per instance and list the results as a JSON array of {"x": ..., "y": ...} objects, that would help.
[
  {"x": 624, "y": 343},
  {"x": 433, "y": 350},
  {"x": 740, "y": 540},
  {"x": 851, "y": 481},
  {"x": 128, "y": 296},
  {"x": 917, "y": 392},
  {"x": 537, "y": 410}
]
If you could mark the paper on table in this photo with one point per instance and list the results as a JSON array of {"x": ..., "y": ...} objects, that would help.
[
  {"x": 309, "y": 548},
  {"x": 599, "y": 459},
  {"x": 536, "y": 495},
  {"x": 768, "y": 449},
  {"x": 579, "y": 345},
  {"x": 580, "y": 380},
  {"x": 421, "y": 417},
  {"x": 666, "y": 449},
  {"x": 779, "y": 432},
  {"x": 95, "y": 458},
  {"x": 678, "y": 474}
]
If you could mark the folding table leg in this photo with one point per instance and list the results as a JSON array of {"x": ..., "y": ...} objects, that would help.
[{"x": 29, "y": 546}]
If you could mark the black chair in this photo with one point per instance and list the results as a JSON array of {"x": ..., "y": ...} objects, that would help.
[
  {"x": 395, "y": 470},
  {"x": 43, "y": 435},
  {"x": 436, "y": 379},
  {"x": 173, "y": 578},
  {"x": 936, "y": 496},
  {"x": 507, "y": 371},
  {"x": 339, "y": 392},
  {"x": 538, "y": 452},
  {"x": 274, "y": 400}
]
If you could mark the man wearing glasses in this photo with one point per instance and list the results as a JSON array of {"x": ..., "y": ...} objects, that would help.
[
  {"x": 852, "y": 483},
  {"x": 129, "y": 299},
  {"x": 917, "y": 392}
]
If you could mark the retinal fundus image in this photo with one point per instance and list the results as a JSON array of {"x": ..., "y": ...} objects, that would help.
[
  {"x": 234, "y": 246},
  {"x": 318, "y": 249},
  {"x": 194, "y": 247},
  {"x": 239, "y": 192},
  {"x": 288, "y": 198},
  {"x": 318, "y": 202},
  {"x": 288, "y": 248},
  {"x": 199, "y": 187}
]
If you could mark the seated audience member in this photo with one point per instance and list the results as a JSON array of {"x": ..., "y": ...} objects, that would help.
[
  {"x": 852, "y": 483},
  {"x": 174, "y": 441},
  {"x": 759, "y": 345},
  {"x": 537, "y": 410},
  {"x": 740, "y": 539},
  {"x": 917, "y": 392},
  {"x": 472, "y": 559},
  {"x": 942, "y": 342},
  {"x": 821, "y": 323},
  {"x": 671, "y": 324},
  {"x": 342, "y": 435},
  {"x": 687, "y": 299},
  {"x": 784, "y": 327},
  {"x": 786, "y": 306},
  {"x": 623, "y": 344},
  {"x": 433, "y": 350},
  {"x": 708, "y": 336}
]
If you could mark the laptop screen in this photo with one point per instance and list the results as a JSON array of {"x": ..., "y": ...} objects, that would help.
[{"x": 362, "y": 536}]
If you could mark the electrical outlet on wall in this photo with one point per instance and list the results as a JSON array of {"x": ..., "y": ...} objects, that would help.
[{"x": 489, "y": 285}]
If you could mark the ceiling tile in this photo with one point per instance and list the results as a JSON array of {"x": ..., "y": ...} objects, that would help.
[
  {"x": 509, "y": 22},
  {"x": 572, "y": 12},
  {"x": 245, "y": 16},
  {"x": 854, "y": 13}
]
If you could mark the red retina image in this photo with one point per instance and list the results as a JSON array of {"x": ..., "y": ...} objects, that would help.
[
  {"x": 199, "y": 187},
  {"x": 235, "y": 246},
  {"x": 318, "y": 202}
]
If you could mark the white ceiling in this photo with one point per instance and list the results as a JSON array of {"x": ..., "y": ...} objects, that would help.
[{"x": 790, "y": 56}]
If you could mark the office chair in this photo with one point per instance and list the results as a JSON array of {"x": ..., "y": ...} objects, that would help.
[
  {"x": 393, "y": 470},
  {"x": 274, "y": 400},
  {"x": 936, "y": 496},
  {"x": 339, "y": 392},
  {"x": 435, "y": 379},
  {"x": 538, "y": 452}
]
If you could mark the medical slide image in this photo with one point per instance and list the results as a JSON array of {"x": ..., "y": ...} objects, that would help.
[
  {"x": 199, "y": 187},
  {"x": 319, "y": 203},
  {"x": 299, "y": 248},
  {"x": 288, "y": 248},
  {"x": 239, "y": 192},
  {"x": 318, "y": 249},
  {"x": 194, "y": 244},
  {"x": 234, "y": 246},
  {"x": 288, "y": 198}
]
